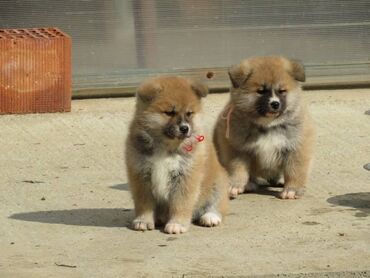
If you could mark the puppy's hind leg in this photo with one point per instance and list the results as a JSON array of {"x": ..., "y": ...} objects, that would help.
[
  {"x": 210, "y": 218},
  {"x": 298, "y": 165},
  {"x": 181, "y": 205},
  {"x": 235, "y": 165},
  {"x": 212, "y": 215},
  {"x": 144, "y": 204},
  {"x": 239, "y": 178},
  {"x": 217, "y": 205},
  {"x": 295, "y": 175}
]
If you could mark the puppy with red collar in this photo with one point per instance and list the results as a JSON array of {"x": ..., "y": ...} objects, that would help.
[{"x": 173, "y": 171}]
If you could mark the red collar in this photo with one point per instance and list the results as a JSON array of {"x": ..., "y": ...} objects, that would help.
[{"x": 192, "y": 140}]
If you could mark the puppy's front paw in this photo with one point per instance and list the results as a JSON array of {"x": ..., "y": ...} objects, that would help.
[
  {"x": 175, "y": 228},
  {"x": 140, "y": 224},
  {"x": 234, "y": 191},
  {"x": 291, "y": 193},
  {"x": 210, "y": 219}
]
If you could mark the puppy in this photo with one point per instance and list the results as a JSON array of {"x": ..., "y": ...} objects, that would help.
[
  {"x": 265, "y": 131},
  {"x": 173, "y": 171}
]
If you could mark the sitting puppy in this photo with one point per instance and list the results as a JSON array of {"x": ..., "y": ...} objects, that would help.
[
  {"x": 264, "y": 131},
  {"x": 173, "y": 170}
]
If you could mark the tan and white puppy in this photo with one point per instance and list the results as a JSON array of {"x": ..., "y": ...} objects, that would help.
[
  {"x": 265, "y": 131},
  {"x": 173, "y": 171}
]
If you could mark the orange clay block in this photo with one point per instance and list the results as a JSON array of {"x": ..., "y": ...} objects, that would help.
[{"x": 35, "y": 71}]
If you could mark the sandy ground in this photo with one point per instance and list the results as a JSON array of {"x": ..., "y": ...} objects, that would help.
[{"x": 65, "y": 207}]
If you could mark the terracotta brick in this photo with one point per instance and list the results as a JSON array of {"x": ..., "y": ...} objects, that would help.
[{"x": 35, "y": 71}]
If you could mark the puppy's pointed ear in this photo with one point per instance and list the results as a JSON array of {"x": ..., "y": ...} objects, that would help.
[
  {"x": 200, "y": 89},
  {"x": 239, "y": 74},
  {"x": 297, "y": 70},
  {"x": 148, "y": 91}
]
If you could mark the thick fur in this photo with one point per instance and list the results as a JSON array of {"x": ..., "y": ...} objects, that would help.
[
  {"x": 170, "y": 185},
  {"x": 265, "y": 140}
]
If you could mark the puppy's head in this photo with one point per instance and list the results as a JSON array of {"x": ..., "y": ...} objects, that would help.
[
  {"x": 266, "y": 87},
  {"x": 170, "y": 106}
]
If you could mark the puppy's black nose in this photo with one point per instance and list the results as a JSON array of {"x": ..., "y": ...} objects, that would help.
[
  {"x": 275, "y": 105},
  {"x": 184, "y": 129}
]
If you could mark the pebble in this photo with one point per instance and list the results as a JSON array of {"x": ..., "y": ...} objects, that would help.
[
  {"x": 367, "y": 166},
  {"x": 367, "y": 112}
]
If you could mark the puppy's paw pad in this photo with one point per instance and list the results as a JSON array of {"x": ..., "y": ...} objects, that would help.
[
  {"x": 210, "y": 219},
  {"x": 142, "y": 225},
  {"x": 291, "y": 193},
  {"x": 235, "y": 191},
  {"x": 175, "y": 228}
]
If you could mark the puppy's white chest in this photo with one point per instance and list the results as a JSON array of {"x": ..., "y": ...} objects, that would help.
[
  {"x": 163, "y": 167},
  {"x": 268, "y": 148}
]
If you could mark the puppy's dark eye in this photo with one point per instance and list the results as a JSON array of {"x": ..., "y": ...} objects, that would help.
[
  {"x": 261, "y": 91},
  {"x": 170, "y": 113},
  {"x": 189, "y": 114},
  {"x": 282, "y": 91}
]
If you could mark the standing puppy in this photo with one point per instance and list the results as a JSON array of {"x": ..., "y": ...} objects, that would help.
[
  {"x": 173, "y": 171},
  {"x": 265, "y": 131}
]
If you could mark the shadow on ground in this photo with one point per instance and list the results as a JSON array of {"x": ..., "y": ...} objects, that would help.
[
  {"x": 267, "y": 190},
  {"x": 100, "y": 217},
  {"x": 270, "y": 190},
  {"x": 358, "y": 201},
  {"x": 121, "y": 186}
]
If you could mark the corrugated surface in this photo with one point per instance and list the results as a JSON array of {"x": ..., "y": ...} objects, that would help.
[
  {"x": 121, "y": 42},
  {"x": 35, "y": 70}
]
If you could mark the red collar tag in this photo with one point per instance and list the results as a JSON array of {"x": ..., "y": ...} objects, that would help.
[{"x": 192, "y": 140}]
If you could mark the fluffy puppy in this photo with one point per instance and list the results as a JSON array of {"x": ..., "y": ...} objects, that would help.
[
  {"x": 173, "y": 171},
  {"x": 265, "y": 131}
]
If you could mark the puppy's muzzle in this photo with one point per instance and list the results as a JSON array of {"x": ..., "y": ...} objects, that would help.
[
  {"x": 180, "y": 131},
  {"x": 275, "y": 105},
  {"x": 184, "y": 129},
  {"x": 274, "y": 108}
]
